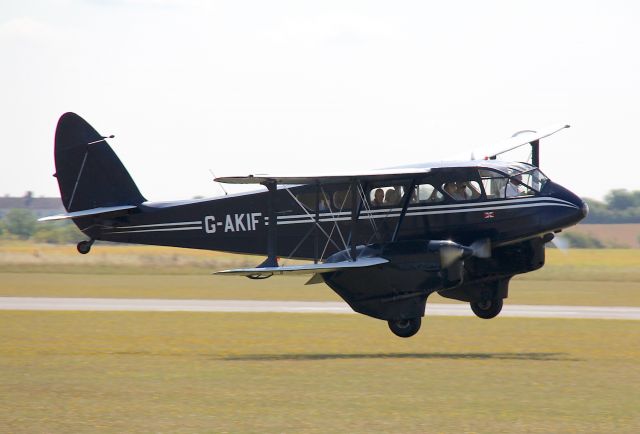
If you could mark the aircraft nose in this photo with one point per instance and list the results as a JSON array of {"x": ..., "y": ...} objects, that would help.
[
  {"x": 581, "y": 205},
  {"x": 585, "y": 209},
  {"x": 571, "y": 216}
]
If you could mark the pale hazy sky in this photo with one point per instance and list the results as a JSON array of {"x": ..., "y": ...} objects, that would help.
[{"x": 280, "y": 86}]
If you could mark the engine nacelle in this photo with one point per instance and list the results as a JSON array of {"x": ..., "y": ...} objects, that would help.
[{"x": 399, "y": 288}]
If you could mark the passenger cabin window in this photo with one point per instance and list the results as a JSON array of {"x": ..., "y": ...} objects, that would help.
[
  {"x": 425, "y": 194},
  {"x": 386, "y": 196},
  {"x": 309, "y": 201},
  {"x": 341, "y": 199},
  {"x": 462, "y": 190}
]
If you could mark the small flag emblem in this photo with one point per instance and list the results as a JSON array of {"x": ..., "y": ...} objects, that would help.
[{"x": 489, "y": 214}]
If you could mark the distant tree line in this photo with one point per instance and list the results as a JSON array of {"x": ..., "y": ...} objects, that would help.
[
  {"x": 21, "y": 224},
  {"x": 619, "y": 206},
  {"x": 583, "y": 241}
]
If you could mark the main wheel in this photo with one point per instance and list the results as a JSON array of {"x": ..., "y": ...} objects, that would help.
[
  {"x": 84, "y": 247},
  {"x": 405, "y": 328},
  {"x": 487, "y": 309}
]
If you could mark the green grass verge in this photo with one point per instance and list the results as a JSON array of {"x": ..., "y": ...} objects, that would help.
[
  {"x": 581, "y": 277},
  {"x": 622, "y": 265},
  {"x": 580, "y": 293},
  {"x": 200, "y": 372}
]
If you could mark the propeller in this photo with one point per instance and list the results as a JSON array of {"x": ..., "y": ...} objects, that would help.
[
  {"x": 451, "y": 252},
  {"x": 559, "y": 243},
  {"x": 481, "y": 248}
]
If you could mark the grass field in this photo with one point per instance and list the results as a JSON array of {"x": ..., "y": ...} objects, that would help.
[
  {"x": 211, "y": 372},
  {"x": 580, "y": 277},
  {"x": 196, "y": 372}
]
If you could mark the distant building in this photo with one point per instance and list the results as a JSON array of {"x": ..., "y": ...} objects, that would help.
[{"x": 40, "y": 206}]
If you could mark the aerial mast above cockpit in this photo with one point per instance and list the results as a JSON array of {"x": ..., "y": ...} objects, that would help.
[{"x": 528, "y": 137}]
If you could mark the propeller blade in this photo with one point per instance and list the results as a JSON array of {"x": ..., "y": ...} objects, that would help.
[
  {"x": 451, "y": 252},
  {"x": 561, "y": 244},
  {"x": 481, "y": 248}
]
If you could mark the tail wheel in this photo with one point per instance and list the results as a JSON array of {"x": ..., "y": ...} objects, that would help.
[
  {"x": 487, "y": 309},
  {"x": 405, "y": 328}
]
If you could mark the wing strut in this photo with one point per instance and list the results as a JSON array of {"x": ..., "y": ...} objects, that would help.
[
  {"x": 316, "y": 231},
  {"x": 355, "y": 210},
  {"x": 272, "y": 233},
  {"x": 405, "y": 205}
]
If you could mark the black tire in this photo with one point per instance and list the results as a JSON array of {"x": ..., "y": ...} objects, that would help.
[
  {"x": 405, "y": 328},
  {"x": 84, "y": 247},
  {"x": 487, "y": 309}
]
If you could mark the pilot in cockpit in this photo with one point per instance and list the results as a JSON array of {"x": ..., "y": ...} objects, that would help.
[{"x": 515, "y": 189}]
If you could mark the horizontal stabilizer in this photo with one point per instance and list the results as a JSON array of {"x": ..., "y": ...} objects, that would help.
[
  {"x": 88, "y": 212},
  {"x": 304, "y": 269}
]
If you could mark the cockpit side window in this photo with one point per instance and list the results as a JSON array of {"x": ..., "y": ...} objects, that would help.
[
  {"x": 494, "y": 183},
  {"x": 534, "y": 179},
  {"x": 517, "y": 188},
  {"x": 500, "y": 186}
]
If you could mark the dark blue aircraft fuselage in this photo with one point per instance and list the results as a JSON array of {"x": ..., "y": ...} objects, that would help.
[{"x": 239, "y": 223}]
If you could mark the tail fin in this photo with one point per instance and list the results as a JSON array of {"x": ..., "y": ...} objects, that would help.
[{"x": 89, "y": 173}]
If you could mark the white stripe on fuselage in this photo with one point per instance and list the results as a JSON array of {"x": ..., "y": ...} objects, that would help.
[
  {"x": 413, "y": 208},
  {"x": 434, "y": 210},
  {"x": 194, "y": 228},
  {"x": 161, "y": 224},
  {"x": 412, "y": 211}
]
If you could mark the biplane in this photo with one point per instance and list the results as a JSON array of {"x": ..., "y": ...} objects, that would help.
[{"x": 383, "y": 240}]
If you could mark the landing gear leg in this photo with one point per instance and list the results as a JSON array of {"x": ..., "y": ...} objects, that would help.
[
  {"x": 84, "y": 247},
  {"x": 405, "y": 328},
  {"x": 487, "y": 309}
]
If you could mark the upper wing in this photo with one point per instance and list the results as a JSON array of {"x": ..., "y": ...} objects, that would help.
[
  {"x": 304, "y": 269},
  {"x": 520, "y": 139},
  {"x": 324, "y": 178}
]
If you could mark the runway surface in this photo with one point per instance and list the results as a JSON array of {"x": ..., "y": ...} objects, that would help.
[{"x": 158, "y": 305}]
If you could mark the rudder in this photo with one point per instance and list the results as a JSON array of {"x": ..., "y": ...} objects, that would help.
[{"x": 90, "y": 175}]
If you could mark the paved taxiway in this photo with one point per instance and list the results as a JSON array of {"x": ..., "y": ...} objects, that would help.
[{"x": 157, "y": 305}]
